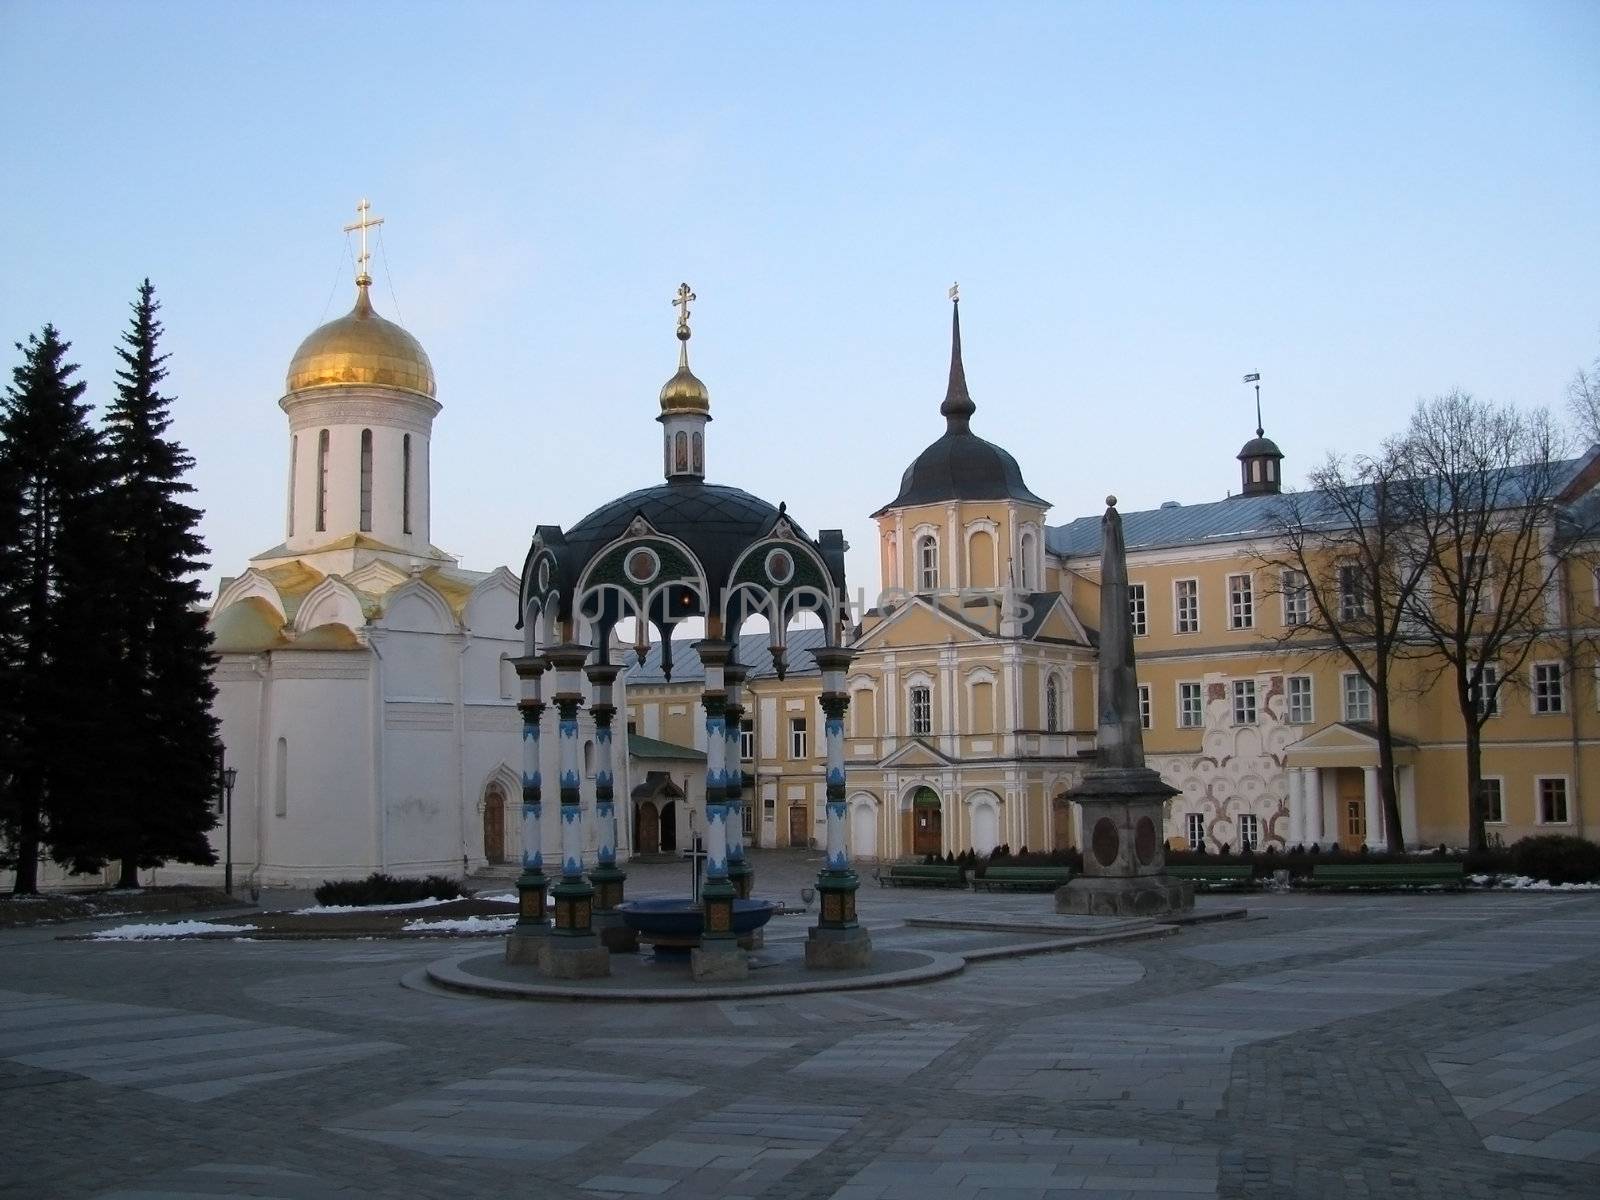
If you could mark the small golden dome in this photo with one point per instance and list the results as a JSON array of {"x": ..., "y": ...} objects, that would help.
[
  {"x": 684, "y": 392},
  {"x": 361, "y": 348}
]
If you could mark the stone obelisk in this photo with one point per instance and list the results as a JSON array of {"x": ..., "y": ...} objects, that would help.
[{"x": 1123, "y": 801}]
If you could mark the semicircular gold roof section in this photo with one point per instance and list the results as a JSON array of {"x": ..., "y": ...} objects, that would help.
[{"x": 361, "y": 348}]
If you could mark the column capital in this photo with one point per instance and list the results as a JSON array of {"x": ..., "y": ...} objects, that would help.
[
  {"x": 602, "y": 674},
  {"x": 568, "y": 656}
]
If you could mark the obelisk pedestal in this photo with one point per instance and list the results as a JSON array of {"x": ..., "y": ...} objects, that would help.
[{"x": 1124, "y": 856}]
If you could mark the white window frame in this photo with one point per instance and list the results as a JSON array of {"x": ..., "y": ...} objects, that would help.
[
  {"x": 1194, "y": 829},
  {"x": 1345, "y": 682},
  {"x": 1489, "y": 591},
  {"x": 1146, "y": 707},
  {"x": 1489, "y": 673},
  {"x": 927, "y": 578},
  {"x": 1026, "y": 547},
  {"x": 1534, "y": 697},
  {"x": 799, "y": 737},
  {"x": 1251, "y": 840},
  {"x": 926, "y": 723},
  {"x": 1296, "y": 599},
  {"x": 1138, "y": 609},
  {"x": 1052, "y": 703},
  {"x": 1242, "y": 604},
  {"x": 1538, "y": 799},
  {"x": 1309, "y": 716},
  {"x": 1199, "y": 709},
  {"x": 1177, "y": 605},
  {"x": 1245, "y": 690},
  {"x": 747, "y": 741},
  {"x": 1499, "y": 782}
]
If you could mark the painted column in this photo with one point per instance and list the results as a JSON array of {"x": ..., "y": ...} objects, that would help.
[
  {"x": 717, "y": 894},
  {"x": 1311, "y": 789},
  {"x": 574, "y": 896},
  {"x": 607, "y": 878},
  {"x": 837, "y": 883},
  {"x": 740, "y": 872},
  {"x": 1296, "y": 835},
  {"x": 1374, "y": 808},
  {"x": 531, "y": 886}
]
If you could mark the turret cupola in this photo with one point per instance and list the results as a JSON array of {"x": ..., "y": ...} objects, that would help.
[
  {"x": 685, "y": 408},
  {"x": 1260, "y": 458}
]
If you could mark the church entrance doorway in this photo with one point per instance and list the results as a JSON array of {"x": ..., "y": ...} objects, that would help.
[
  {"x": 927, "y": 823},
  {"x": 494, "y": 824},
  {"x": 668, "y": 831},
  {"x": 647, "y": 829}
]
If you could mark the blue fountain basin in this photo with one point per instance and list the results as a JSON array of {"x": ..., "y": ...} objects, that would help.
[{"x": 681, "y": 922}]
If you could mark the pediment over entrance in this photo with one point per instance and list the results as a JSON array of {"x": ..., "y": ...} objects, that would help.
[
  {"x": 1345, "y": 744},
  {"x": 915, "y": 753}
]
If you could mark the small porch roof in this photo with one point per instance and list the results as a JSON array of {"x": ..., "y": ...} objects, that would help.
[{"x": 1346, "y": 744}]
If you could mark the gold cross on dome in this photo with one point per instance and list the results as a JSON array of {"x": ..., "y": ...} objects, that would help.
[
  {"x": 364, "y": 222},
  {"x": 685, "y": 297}
]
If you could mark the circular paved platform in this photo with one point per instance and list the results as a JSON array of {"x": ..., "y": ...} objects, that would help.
[{"x": 775, "y": 970}]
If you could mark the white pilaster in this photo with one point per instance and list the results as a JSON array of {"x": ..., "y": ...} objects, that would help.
[{"x": 1369, "y": 776}]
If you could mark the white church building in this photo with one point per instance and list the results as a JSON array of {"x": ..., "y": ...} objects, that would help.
[{"x": 364, "y": 684}]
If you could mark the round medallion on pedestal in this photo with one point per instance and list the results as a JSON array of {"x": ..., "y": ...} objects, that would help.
[
  {"x": 1106, "y": 841},
  {"x": 1144, "y": 841}
]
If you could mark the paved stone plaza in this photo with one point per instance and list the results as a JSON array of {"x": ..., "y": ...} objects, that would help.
[{"x": 1430, "y": 1045}]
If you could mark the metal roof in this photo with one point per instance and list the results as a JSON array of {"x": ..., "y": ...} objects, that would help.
[{"x": 1236, "y": 519}]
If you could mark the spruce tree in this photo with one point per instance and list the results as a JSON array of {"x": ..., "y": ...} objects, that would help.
[
  {"x": 49, "y": 488},
  {"x": 162, "y": 804}
]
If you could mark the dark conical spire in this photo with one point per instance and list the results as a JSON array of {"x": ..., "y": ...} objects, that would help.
[
  {"x": 1121, "y": 737},
  {"x": 958, "y": 407}
]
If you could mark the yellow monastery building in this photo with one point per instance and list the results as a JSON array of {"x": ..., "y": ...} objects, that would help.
[{"x": 972, "y": 697}]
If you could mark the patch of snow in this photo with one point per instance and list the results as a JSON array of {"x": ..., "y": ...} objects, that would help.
[
  {"x": 318, "y": 910},
  {"x": 172, "y": 929},
  {"x": 503, "y": 898},
  {"x": 462, "y": 925},
  {"x": 1525, "y": 883}
]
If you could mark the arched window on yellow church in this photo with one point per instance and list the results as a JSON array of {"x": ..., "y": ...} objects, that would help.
[
  {"x": 1052, "y": 705},
  {"x": 921, "y": 711},
  {"x": 1025, "y": 578},
  {"x": 927, "y": 563}
]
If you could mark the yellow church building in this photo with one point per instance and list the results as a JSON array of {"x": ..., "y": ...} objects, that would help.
[{"x": 973, "y": 691}]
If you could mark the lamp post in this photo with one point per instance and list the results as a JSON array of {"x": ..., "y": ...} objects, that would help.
[{"x": 228, "y": 776}]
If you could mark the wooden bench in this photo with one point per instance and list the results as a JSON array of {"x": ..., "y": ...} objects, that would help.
[
  {"x": 1382, "y": 875},
  {"x": 921, "y": 875},
  {"x": 1022, "y": 879},
  {"x": 1240, "y": 875}
]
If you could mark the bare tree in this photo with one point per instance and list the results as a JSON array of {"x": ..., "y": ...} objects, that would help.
[
  {"x": 1583, "y": 403},
  {"x": 1483, "y": 499},
  {"x": 1342, "y": 557}
]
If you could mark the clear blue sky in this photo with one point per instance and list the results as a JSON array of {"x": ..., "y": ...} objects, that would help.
[{"x": 1142, "y": 202}]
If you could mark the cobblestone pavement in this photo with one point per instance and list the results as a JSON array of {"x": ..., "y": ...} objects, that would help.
[{"x": 1339, "y": 1046}]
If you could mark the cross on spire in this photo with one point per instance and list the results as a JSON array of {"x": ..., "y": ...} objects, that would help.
[
  {"x": 684, "y": 298},
  {"x": 364, "y": 221}
]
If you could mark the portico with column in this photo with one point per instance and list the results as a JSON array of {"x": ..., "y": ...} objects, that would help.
[
  {"x": 573, "y": 950},
  {"x": 1336, "y": 793}
]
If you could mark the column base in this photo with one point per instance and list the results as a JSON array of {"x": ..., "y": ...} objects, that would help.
[
  {"x": 837, "y": 890},
  {"x": 837, "y": 949},
  {"x": 524, "y": 946},
  {"x": 614, "y": 933},
  {"x": 608, "y": 886},
  {"x": 754, "y": 940},
  {"x": 718, "y": 962},
  {"x": 1125, "y": 896},
  {"x": 574, "y": 958},
  {"x": 743, "y": 877}
]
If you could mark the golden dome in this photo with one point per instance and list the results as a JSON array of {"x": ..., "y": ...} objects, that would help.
[
  {"x": 684, "y": 392},
  {"x": 361, "y": 348}
]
